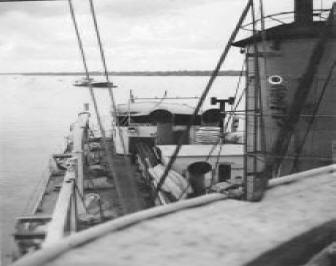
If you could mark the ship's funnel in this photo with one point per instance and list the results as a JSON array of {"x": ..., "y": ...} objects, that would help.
[{"x": 304, "y": 12}]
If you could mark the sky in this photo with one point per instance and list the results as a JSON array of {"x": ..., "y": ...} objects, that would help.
[{"x": 137, "y": 34}]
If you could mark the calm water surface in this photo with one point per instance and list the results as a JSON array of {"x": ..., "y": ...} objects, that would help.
[{"x": 35, "y": 115}]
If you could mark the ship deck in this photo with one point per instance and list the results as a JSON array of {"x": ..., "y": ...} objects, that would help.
[
  {"x": 130, "y": 197},
  {"x": 294, "y": 221},
  {"x": 123, "y": 194}
]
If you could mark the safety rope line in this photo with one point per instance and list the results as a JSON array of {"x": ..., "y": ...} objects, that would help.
[
  {"x": 312, "y": 119},
  {"x": 102, "y": 131},
  {"x": 103, "y": 60},
  {"x": 204, "y": 94}
]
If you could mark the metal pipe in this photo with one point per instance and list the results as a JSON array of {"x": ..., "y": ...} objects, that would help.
[
  {"x": 66, "y": 200},
  {"x": 55, "y": 231},
  {"x": 303, "y": 12}
]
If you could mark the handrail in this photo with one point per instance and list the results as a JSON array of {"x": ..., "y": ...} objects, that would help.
[
  {"x": 57, "y": 225},
  {"x": 167, "y": 98},
  {"x": 274, "y": 17},
  {"x": 79, "y": 136},
  {"x": 43, "y": 256},
  {"x": 68, "y": 203}
]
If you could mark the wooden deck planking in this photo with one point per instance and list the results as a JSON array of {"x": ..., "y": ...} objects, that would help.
[{"x": 126, "y": 177}]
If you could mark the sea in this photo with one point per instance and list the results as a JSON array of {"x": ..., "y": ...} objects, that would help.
[{"x": 35, "y": 116}]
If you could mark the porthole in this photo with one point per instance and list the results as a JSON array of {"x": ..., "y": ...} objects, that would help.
[{"x": 275, "y": 80}]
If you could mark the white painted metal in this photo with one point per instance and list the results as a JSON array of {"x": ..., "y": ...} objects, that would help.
[
  {"x": 58, "y": 223},
  {"x": 145, "y": 108},
  {"x": 68, "y": 202},
  {"x": 79, "y": 136},
  {"x": 230, "y": 154}
]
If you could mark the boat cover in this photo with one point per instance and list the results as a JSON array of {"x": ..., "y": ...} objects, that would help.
[{"x": 145, "y": 108}]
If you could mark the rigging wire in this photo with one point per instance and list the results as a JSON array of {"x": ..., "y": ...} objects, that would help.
[
  {"x": 231, "y": 113},
  {"x": 282, "y": 141},
  {"x": 164, "y": 96},
  {"x": 312, "y": 119},
  {"x": 227, "y": 123},
  {"x": 214, "y": 172},
  {"x": 204, "y": 94},
  {"x": 94, "y": 100},
  {"x": 235, "y": 106},
  {"x": 103, "y": 60},
  {"x": 114, "y": 107}
]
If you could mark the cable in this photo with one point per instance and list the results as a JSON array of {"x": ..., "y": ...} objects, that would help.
[
  {"x": 234, "y": 107},
  {"x": 312, "y": 119},
  {"x": 102, "y": 55},
  {"x": 204, "y": 94},
  {"x": 102, "y": 131},
  {"x": 282, "y": 141},
  {"x": 232, "y": 112}
]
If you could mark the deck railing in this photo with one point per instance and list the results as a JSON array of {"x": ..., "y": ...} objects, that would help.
[
  {"x": 286, "y": 18},
  {"x": 70, "y": 199}
]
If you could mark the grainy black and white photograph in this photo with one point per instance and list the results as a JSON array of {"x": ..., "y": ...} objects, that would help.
[{"x": 168, "y": 132}]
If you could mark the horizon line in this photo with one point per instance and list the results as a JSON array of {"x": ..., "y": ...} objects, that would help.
[{"x": 130, "y": 72}]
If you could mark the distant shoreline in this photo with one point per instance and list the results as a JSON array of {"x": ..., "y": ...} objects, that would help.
[{"x": 132, "y": 73}]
